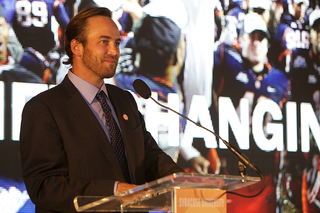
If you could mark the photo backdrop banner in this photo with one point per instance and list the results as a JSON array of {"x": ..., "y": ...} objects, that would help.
[{"x": 247, "y": 70}]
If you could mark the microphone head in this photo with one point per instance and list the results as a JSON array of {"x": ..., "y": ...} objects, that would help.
[{"x": 142, "y": 88}]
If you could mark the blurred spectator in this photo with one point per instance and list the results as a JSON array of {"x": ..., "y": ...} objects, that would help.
[
  {"x": 13, "y": 49},
  {"x": 33, "y": 25},
  {"x": 238, "y": 9},
  {"x": 311, "y": 174},
  {"x": 160, "y": 49},
  {"x": 10, "y": 72}
]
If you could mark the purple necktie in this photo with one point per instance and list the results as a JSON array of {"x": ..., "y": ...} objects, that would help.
[{"x": 115, "y": 136}]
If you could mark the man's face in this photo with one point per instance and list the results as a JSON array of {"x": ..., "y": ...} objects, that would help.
[
  {"x": 181, "y": 53},
  {"x": 3, "y": 40},
  {"x": 277, "y": 8},
  {"x": 3, "y": 49},
  {"x": 101, "y": 51},
  {"x": 315, "y": 39},
  {"x": 255, "y": 47},
  {"x": 299, "y": 10}
]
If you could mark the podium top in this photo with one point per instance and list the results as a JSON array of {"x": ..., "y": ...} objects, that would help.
[{"x": 162, "y": 187}]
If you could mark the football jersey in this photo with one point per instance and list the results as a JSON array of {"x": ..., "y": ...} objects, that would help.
[
  {"x": 233, "y": 78},
  {"x": 305, "y": 81},
  {"x": 281, "y": 46},
  {"x": 274, "y": 85},
  {"x": 230, "y": 77},
  {"x": 301, "y": 40},
  {"x": 32, "y": 23},
  {"x": 124, "y": 80}
]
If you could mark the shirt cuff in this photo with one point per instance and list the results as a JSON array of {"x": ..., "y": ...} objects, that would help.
[
  {"x": 115, "y": 187},
  {"x": 189, "y": 152}
]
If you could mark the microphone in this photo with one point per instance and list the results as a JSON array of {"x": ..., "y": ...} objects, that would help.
[
  {"x": 142, "y": 88},
  {"x": 144, "y": 91}
]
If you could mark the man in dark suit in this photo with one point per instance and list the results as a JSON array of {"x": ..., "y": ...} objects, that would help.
[{"x": 67, "y": 148}]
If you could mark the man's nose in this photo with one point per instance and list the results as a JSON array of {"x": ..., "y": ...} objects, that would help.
[
  {"x": 113, "y": 50},
  {"x": 256, "y": 42}
]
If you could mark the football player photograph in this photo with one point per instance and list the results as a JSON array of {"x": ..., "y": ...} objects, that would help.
[
  {"x": 252, "y": 79},
  {"x": 85, "y": 137}
]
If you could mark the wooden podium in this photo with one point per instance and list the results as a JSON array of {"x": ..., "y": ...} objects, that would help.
[{"x": 177, "y": 193}]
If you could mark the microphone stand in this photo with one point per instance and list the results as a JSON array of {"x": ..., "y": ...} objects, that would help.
[
  {"x": 242, "y": 170},
  {"x": 244, "y": 161}
]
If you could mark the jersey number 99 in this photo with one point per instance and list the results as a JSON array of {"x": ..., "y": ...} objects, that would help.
[{"x": 32, "y": 13}]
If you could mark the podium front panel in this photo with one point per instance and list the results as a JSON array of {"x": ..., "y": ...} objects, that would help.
[{"x": 157, "y": 195}]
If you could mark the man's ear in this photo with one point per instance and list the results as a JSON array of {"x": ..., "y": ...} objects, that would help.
[{"x": 76, "y": 48}]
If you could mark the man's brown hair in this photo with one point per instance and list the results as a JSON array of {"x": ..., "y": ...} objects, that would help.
[{"x": 77, "y": 28}]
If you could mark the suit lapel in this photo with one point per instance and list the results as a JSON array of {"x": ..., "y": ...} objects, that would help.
[
  {"x": 124, "y": 113},
  {"x": 81, "y": 109}
]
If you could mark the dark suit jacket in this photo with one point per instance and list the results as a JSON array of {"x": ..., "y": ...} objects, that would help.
[{"x": 65, "y": 152}]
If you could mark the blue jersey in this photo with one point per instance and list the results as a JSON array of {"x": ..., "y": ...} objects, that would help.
[
  {"x": 230, "y": 77},
  {"x": 304, "y": 76},
  {"x": 305, "y": 81},
  {"x": 233, "y": 78},
  {"x": 9, "y": 7},
  {"x": 274, "y": 84},
  {"x": 124, "y": 80},
  {"x": 281, "y": 46},
  {"x": 237, "y": 12},
  {"x": 18, "y": 73},
  {"x": 32, "y": 23},
  {"x": 301, "y": 43}
]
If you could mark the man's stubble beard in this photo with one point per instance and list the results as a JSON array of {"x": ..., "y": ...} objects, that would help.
[{"x": 92, "y": 63}]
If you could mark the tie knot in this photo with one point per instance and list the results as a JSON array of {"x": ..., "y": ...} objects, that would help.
[{"x": 101, "y": 95}]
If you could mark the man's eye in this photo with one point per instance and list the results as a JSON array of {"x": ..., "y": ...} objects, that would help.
[
  {"x": 117, "y": 43},
  {"x": 104, "y": 41}
]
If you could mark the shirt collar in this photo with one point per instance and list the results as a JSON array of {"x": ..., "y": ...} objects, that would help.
[{"x": 87, "y": 90}]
